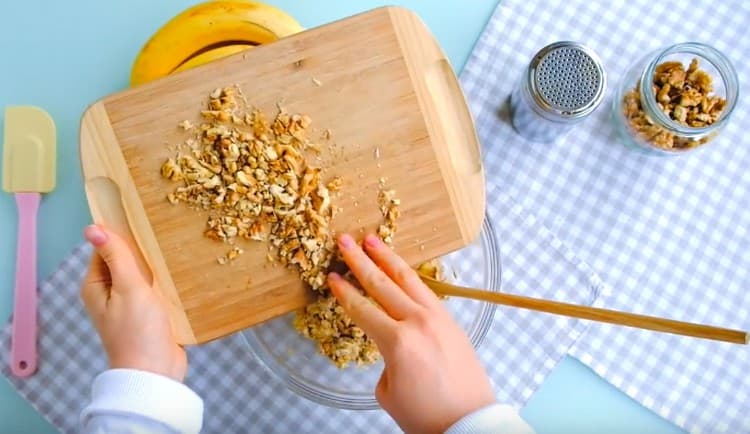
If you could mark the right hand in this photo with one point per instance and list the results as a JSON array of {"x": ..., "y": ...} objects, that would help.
[{"x": 432, "y": 376}]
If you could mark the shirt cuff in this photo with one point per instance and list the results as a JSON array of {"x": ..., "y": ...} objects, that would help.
[
  {"x": 493, "y": 419},
  {"x": 129, "y": 391}
]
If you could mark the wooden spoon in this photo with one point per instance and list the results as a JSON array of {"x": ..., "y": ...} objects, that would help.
[{"x": 591, "y": 313}]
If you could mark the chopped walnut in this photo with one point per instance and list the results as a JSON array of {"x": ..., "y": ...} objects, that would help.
[
  {"x": 432, "y": 269},
  {"x": 683, "y": 95},
  {"x": 335, "y": 184},
  {"x": 388, "y": 205},
  {"x": 186, "y": 125},
  {"x": 253, "y": 178},
  {"x": 171, "y": 170},
  {"x": 230, "y": 256},
  {"x": 325, "y": 322},
  {"x": 257, "y": 185}
]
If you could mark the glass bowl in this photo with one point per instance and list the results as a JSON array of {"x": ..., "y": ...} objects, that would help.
[{"x": 295, "y": 360}]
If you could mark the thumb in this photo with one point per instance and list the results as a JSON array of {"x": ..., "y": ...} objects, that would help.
[
  {"x": 95, "y": 287},
  {"x": 117, "y": 255}
]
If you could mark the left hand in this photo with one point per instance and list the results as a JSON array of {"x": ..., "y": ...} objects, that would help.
[{"x": 129, "y": 313}]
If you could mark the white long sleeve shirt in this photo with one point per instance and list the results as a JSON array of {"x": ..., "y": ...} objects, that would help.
[{"x": 127, "y": 401}]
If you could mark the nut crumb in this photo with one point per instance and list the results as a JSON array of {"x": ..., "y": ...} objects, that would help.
[
  {"x": 186, "y": 125},
  {"x": 388, "y": 205},
  {"x": 316, "y": 82},
  {"x": 335, "y": 184},
  {"x": 253, "y": 177},
  {"x": 234, "y": 253},
  {"x": 325, "y": 322},
  {"x": 434, "y": 270},
  {"x": 257, "y": 185},
  {"x": 230, "y": 255}
]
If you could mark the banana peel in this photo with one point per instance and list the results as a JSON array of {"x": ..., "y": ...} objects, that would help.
[
  {"x": 211, "y": 55},
  {"x": 206, "y": 27}
]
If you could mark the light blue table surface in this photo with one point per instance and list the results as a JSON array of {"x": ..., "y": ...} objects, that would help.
[{"x": 64, "y": 55}]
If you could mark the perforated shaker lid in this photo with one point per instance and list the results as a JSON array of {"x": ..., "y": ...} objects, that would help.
[{"x": 567, "y": 80}]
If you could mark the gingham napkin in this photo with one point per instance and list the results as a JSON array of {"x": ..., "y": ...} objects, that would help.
[
  {"x": 668, "y": 235},
  {"x": 242, "y": 396}
]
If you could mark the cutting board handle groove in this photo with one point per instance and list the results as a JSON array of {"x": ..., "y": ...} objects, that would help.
[{"x": 454, "y": 116}]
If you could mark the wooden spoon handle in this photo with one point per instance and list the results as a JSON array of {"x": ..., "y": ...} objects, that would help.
[{"x": 592, "y": 313}]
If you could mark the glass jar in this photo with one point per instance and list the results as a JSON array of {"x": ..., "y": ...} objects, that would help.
[{"x": 645, "y": 122}]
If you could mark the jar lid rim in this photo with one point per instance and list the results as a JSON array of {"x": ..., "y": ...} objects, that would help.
[{"x": 711, "y": 55}]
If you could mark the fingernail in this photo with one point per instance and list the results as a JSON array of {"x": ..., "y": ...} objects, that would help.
[
  {"x": 95, "y": 235},
  {"x": 346, "y": 241},
  {"x": 334, "y": 276},
  {"x": 372, "y": 241}
]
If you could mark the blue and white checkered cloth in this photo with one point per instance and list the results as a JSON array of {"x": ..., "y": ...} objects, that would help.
[
  {"x": 670, "y": 236},
  {"x": 242, "y": 396}
]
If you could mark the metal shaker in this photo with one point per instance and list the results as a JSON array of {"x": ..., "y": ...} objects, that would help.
[{"x": 564, "y": 83}]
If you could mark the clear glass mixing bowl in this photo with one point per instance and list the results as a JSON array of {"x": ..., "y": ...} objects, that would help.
[{"x": 295, "y": 360}]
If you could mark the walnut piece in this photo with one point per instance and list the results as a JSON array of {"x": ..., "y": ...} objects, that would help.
[
  {"x": 185, "y": 125},
  {"x": 388, "y": 205},
  {"x": 230, "y": 255},
  {"x": 254, "y": 181},
  {"x": 337, "y": 337},
  {"x": 335, "y": 184},
  {"x": 257, "y": 185},
  {"x": 683, "y": 95}
]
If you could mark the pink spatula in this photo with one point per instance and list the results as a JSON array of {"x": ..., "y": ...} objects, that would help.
[{"x": 28, "y": 170}]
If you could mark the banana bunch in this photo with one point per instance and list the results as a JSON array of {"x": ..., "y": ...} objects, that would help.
[{"x": 209, "y": 31}]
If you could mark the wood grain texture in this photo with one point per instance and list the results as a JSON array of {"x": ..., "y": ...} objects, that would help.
[
  {"x": 610, "y": 316},
  {"x": 114, "y": 201},
  {"x": 378, "y": 80}
]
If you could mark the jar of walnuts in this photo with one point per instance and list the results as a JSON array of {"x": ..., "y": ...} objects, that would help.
[{"x": 676, "y": 99}]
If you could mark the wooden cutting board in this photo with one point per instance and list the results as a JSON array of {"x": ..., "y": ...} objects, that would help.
[{"x": 378, "y": 80}]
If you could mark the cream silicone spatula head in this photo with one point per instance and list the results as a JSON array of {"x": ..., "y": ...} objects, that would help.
[{"x": 28, "y": 170}]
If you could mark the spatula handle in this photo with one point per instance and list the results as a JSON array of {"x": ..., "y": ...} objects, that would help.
[{"x": 23, "y": 356}]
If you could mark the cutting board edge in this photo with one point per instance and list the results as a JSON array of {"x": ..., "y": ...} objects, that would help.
[
  {"x": 448, "y": 118},
  {"x": 462, "y": 231},
  {"x": 101, "y": 158}
]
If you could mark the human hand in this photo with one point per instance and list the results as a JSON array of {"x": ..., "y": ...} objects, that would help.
[
  {"x": 128, "y": 312},
  {"x": 432, "y": 376}
]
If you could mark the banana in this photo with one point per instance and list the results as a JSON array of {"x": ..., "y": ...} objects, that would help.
[
  {"x": 211, "y": 55},
  {"x": 205, "y": 26}
]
